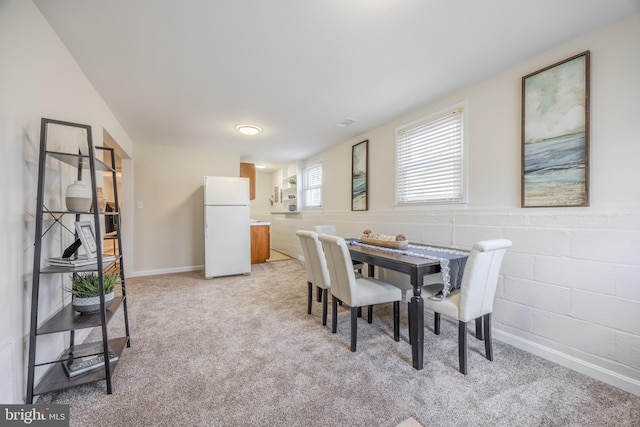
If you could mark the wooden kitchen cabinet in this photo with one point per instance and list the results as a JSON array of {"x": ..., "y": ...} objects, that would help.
[
  {"x": 260, "y": 243},
  {"x": 248, "y": 170}
]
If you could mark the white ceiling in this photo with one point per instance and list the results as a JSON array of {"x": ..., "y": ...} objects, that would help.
[{"x": 185, "y": 72}]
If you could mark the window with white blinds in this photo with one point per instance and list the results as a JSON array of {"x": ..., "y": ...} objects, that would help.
[
  {"x": 430, "y": 159},
  {"x": 312, "y": 185}
]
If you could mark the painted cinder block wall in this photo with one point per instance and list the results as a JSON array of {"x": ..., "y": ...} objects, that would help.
[{"x": 570, "y": 285}]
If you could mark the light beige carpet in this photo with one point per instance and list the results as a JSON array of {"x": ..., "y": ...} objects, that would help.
[{"x": 242, "y": 351}]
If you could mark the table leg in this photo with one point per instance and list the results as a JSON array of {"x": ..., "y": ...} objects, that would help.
[{"x": 416, "y": 320}]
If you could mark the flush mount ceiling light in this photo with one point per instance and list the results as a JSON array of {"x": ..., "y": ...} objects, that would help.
[
  {"x": 260, "y": 166},
  {"x": 249, "y": 129}
]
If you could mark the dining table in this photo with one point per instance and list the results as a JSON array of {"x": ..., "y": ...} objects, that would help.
[{"x": 416, "y": 260}]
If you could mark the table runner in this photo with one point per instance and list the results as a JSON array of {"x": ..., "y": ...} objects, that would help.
[{"x": 452, "y": 262}]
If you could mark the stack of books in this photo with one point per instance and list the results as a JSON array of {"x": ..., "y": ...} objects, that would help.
[
  {"x": 81, "y": 261},
  {"x": 87, "y": 359}
]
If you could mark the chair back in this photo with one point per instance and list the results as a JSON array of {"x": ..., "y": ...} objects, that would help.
[
  {"x": 326, "y": 229},
  {"x": 480, "y": 278},
  {"x": 341, "y": 274},
  {"x": 317, "y": 272}
]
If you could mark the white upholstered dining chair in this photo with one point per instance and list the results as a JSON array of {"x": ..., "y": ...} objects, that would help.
[
  {"x": 317, "y": 272},
  {"x": 356, "y": 292},
  {"x": 333, "y": 231},
  {"x": 474, "y": 299},
  {"x": 326, "y": 229}
]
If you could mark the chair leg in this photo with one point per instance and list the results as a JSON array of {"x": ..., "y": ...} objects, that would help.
[
  {"x": 479, "y": 335},
  {"x": 309, "y": 296},
  {"x": 370, "y": 314},
  {"x": 354, "y": 327},
  {"x": 319, "y": 293},
  {"x": 488, "y": 345},
  {"x": 462, "y": 346},
  {"x": 325, "y": 297},
  {"x": 436, "y": 323},
  {"x": 396, "y": 320},
  {"x": 359, "y": 311},
  {"x": 409, "y": 322},
  {"x": 334, "y": 315}
]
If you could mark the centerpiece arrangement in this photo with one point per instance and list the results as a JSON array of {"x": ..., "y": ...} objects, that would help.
[{"x": 395, "y": 242}]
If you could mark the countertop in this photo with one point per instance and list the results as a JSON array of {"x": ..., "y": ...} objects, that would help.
[{"x": 256, "y": 222}]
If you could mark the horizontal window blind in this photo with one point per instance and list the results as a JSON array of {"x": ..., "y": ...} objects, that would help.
[
  {"x": 430, "y": 160},
  {"x": 313, "y": 185}
]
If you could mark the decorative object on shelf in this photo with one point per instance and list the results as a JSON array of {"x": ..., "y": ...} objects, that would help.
[
  {"x": 359, "y": 184},
  {"x": 395, "y": 242},
  {"x": 87, "y": 359},
  {"x": 85, "y": 289},
  {"x": 292, "y": 208},
  {"x": 292, "y": 180},
  {"x": 78, "y": 197},
  {"x": 555, "y": 135},
  {"x": 102, "y": 200},
  {"x": 87, "y": 235},
  {"x": 83, "y": 144}
]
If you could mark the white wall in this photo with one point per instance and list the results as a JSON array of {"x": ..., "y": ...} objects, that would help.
[
  {"x": 570, "y": 289},
  {"x": 169, "y": 228},
  {"x": 38, "y": 78},
  {"x": 261, "y": 206}
]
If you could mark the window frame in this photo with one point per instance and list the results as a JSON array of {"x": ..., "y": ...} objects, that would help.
[
  {"x": 306, "y": 187},
  {"x": 463, "y": 109}
]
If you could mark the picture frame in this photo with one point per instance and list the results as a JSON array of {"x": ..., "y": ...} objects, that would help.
[
  {"x": 87, "y": 234},
  {"x": 555, "y": 134},
  {"x": 359, "y": 176}
]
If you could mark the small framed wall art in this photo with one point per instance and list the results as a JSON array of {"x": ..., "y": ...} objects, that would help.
[
  {"x": 555, "y": 135},
  {"x": 359, "y": 178}
]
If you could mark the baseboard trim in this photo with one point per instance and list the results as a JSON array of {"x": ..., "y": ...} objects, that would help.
[
  {"x": 605, "y": 375},
  {"x": 166, "y": 271}
]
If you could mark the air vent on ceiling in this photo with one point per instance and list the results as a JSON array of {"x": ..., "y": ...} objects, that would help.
[{"x": 346, "y": 122}]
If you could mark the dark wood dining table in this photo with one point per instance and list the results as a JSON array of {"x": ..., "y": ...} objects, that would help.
[{"x": 416, "y": 267}]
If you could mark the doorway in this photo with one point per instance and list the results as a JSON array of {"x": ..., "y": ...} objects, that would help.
[{"x": 110, "y": 243}]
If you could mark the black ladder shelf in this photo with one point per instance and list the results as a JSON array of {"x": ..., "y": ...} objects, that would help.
[{"x": 67, "y": 320}]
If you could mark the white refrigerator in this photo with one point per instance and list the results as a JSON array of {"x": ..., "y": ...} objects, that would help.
[{"x": 227, "y": 238}]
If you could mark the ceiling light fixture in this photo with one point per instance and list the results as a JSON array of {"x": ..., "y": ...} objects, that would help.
[
  {"x": 249, "y": 129},
  {"x": 260, "y": 166}
]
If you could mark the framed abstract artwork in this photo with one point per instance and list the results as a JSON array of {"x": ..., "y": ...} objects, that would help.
[
  {"x": 359, "y": 181},
  {"x": 555, "y": 135}
]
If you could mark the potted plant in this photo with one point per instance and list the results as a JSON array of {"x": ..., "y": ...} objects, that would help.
[{"x": 85, "y": 289}]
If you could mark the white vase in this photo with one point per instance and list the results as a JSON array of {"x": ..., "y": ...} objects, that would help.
[
  {"x": 78, "y": 197},
  {"x": 102, "y": 200}
]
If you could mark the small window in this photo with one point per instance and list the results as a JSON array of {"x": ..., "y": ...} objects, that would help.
[
  {"x": 312, "y": 185},
  {"x": 430, "y": 163}
]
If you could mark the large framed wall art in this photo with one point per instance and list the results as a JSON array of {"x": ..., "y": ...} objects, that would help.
[
  {"x": 555, "y": 134},
  {"x": 359, "y": 181}
]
